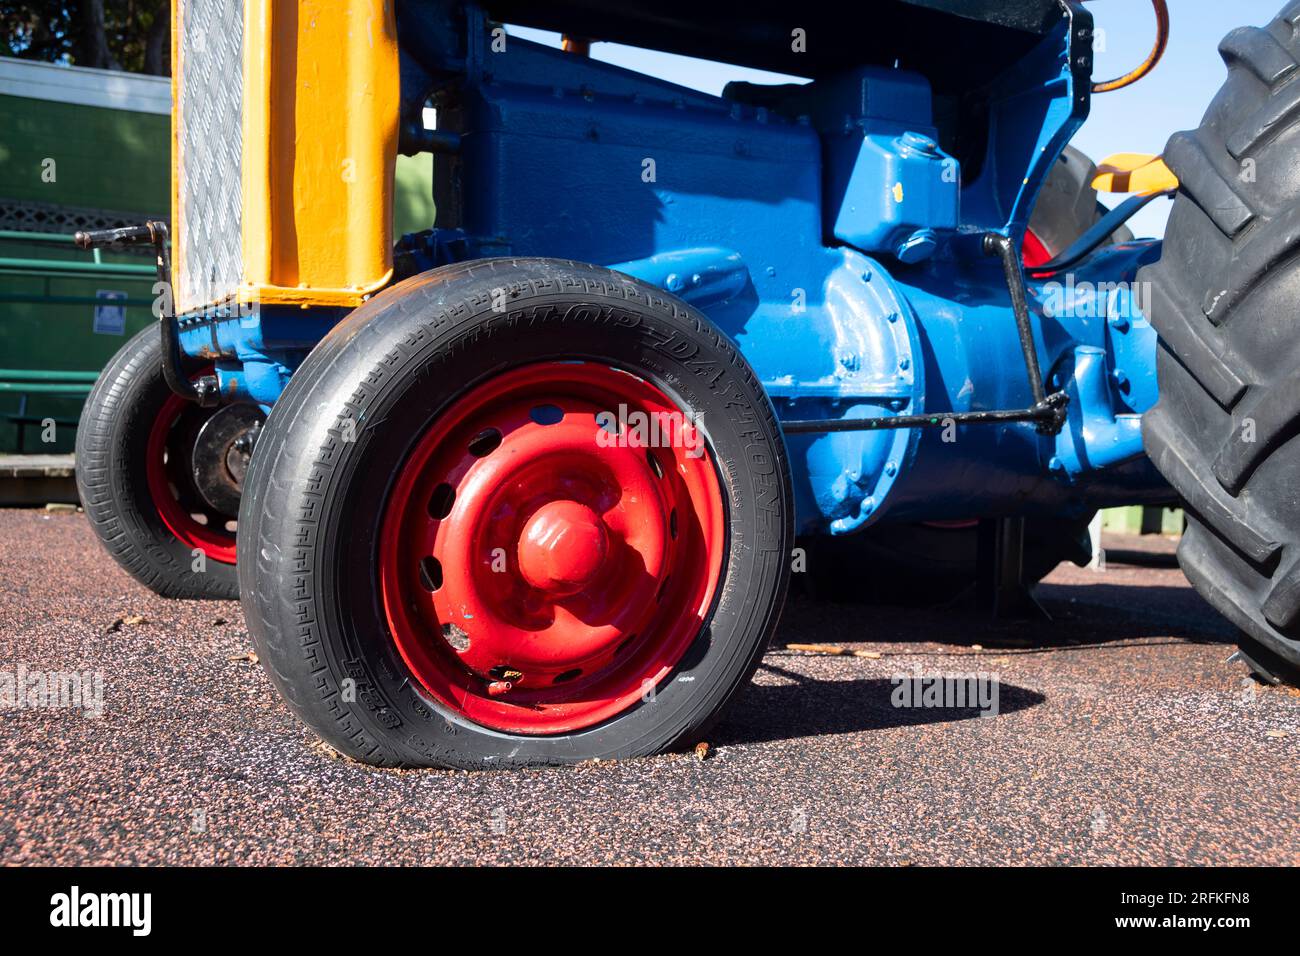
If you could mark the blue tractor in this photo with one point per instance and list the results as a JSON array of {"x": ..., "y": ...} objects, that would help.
[{"x": 530, "y": 487}]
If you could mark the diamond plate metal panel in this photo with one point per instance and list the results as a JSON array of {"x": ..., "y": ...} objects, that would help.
[{"x": 209, "y": 150}]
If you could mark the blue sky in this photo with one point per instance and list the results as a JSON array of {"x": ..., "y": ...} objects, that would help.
[{"x": 1137, "y": 119}]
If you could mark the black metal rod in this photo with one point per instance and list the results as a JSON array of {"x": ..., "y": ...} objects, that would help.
[
  {"x": 1044, "y": 412},
  {"x": 1047, "y": 410},
  {"x": 205, "y": 391},
  {"x": 126, "y": 235},
  {"x": 1099, "y": 232},
  {"x": 996, "y": 244},
  {"x": 173, "y": 365},
  {"x": 415, "y": 138}
]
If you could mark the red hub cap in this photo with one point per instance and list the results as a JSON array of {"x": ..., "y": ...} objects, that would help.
[
  {"x": 551, "y": 547},
  {"x": 171, "y": 486},
  {"x": 562, "y": 548}
]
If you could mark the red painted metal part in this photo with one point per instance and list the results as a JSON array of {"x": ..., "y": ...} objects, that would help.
[
  {"x": 539, "y": 572},
  {"x": 1033, "y": 253},
  {"x": 163, "y": 474}
]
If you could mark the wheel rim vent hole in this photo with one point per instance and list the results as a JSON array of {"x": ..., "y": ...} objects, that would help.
[
  {"x": 430, "y": 573},
  {"x": 485, "y": 442},
  {"x": 546, "y": 414},
  {"x": 440, "y": 502}
]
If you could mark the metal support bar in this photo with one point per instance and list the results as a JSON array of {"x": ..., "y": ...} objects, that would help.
[
  {"x": 24, "y": 235},
  {"x": 47, "y": 388},
  {"x": 46, "y": 375},
  {"x": 1000, "y": 586},
  {"x": 415, "y": 138},
  {"x": 996, "y": 244},
  {"x": 20, "y": 299},
  {"x": 203, "y": 390},
  {"x": 40, "y": 267},
  {"x": 1048, "y": 411}
]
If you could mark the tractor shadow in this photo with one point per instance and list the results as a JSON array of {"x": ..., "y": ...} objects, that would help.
[
  {"x": 1083, "y": 613},
  {"x": 803, "y": 706},
  {"x": 1087, "y": 615}
]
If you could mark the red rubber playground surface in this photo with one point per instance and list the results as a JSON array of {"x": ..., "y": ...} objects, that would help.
[{"x": 1121, "y": 736}]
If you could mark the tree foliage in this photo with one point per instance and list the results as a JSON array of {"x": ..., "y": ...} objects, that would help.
[{"x": 131, "y": 35}]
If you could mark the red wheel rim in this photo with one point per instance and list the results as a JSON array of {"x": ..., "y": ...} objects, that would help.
[
  {"x": 165, "y": 473},
  {"x": 540, "y": 572}
]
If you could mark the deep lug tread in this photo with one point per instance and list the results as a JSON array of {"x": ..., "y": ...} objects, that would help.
[
  {"x": 1258, "y": 51},
  {"x": 1198, "y": 348},
  {"x": 1241, "y": 549},
  {"x": 1275, "y": 414},
  {"x": 1203, "y": 496},
  {"x": 1282, "y": 606},
  {"x": 1272, "y": 245},
  {"x": 1273, "y": 116},
  {"x": 1205, "y": 185}
]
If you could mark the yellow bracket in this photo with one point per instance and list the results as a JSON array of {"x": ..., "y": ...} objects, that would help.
[
  {"x": 1139, "y": 173},
  {"x": 320, "y": 145}
]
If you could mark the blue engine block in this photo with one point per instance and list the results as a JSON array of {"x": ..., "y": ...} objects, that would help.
[{"x": 828, "y": 233}]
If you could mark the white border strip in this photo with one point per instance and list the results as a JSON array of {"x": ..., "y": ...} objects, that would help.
[{"x": 110, "y": 89}]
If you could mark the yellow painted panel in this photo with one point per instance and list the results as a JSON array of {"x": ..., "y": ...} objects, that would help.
[
  {"x": 1140, "y": 173},
  {"x": 320, "y": 143}
]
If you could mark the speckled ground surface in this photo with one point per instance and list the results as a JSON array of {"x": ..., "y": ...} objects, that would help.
[{"x": 1122, "y": 737}]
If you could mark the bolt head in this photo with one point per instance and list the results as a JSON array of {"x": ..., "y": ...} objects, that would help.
[{"x": 917, "y": 247}]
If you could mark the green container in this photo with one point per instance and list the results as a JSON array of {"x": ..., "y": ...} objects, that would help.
[{"x": 89, "y": 147}]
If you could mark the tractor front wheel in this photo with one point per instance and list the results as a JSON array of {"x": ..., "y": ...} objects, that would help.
[
  {"x": 516, "y": 512},
  {"x": 159, "y": 477}
]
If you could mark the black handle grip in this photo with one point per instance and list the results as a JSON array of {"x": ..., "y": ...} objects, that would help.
[{"x": 127, "y": 235}]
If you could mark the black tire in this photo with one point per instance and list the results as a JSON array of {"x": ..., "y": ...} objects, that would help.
[
  {"x": 308, "y": 551},
  {"x": 112, "y": 443},
  {"x": 1223, "y": 300}
]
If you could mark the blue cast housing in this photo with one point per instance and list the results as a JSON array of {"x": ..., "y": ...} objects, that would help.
[{"x": 828, "y": 231}]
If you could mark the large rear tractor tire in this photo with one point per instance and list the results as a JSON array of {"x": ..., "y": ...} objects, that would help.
[{"x": 1224, "y": 299}]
